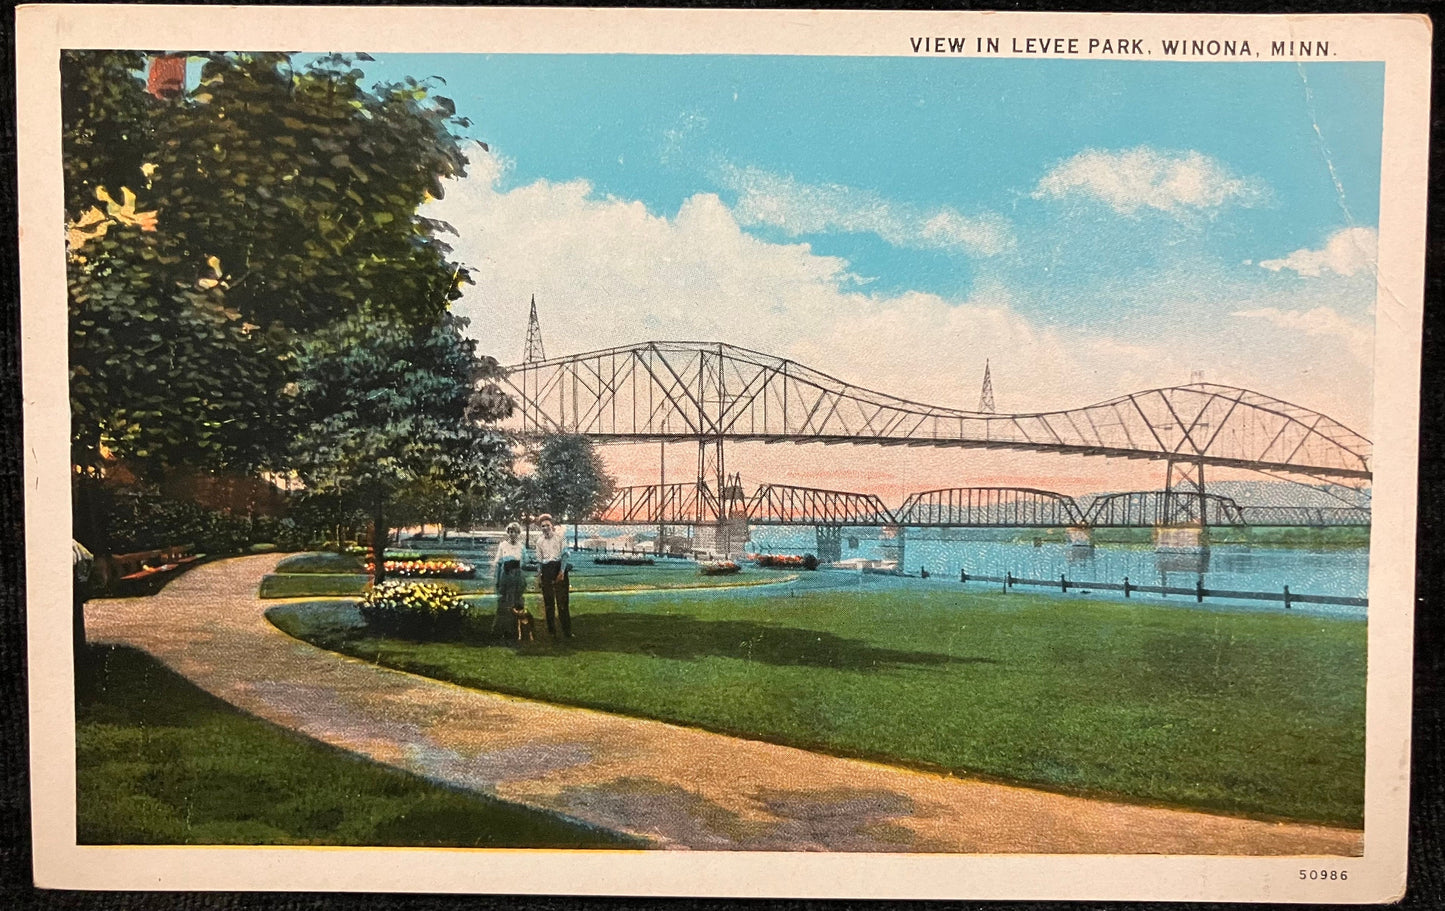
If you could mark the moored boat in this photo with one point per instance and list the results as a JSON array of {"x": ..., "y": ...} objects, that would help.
[{"x": 718, "y": 567}]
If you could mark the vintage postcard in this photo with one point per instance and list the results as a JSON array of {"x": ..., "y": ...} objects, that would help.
[{"x": 782, "y": 453}]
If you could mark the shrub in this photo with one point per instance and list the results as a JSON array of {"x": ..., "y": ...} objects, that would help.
[
  {"x": 415, "y": 610},
  {"x": 145, "y": 520},
  {"x": 285, "y": 532}
]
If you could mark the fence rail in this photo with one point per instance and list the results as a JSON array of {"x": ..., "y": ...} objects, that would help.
[{"x": 1198, "y": 592}]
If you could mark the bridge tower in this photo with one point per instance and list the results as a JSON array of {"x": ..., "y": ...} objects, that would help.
[
  {"x": 830, "y": 543},
  {"x": 893, "y": 545},
  {"x": 534, "y": 351},
  {"x": 985, "y": 397},
  {"x": 1184, "y": 516},
  {"x": 711, "y": 400},
  {"x": 727, "y": 532},
  {"x": 531, "y": 379}
]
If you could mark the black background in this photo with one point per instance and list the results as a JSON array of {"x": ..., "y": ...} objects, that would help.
[{"x": 1427, "y": 853}]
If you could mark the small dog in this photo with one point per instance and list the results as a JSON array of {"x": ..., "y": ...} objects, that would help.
[{"x": 524, "y": 624}]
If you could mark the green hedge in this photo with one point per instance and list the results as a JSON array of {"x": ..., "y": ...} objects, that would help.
[
  {"x": 146, "y": 521},
  {"x": 311, "y": 585},
  {"x": 320, "y": 562}
]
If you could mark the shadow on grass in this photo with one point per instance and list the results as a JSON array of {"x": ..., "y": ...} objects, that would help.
[
  {"x": 686, "y": 638},
  {"x": 125, "y": 686},
  {"x": 159, "y": 761},
  {"x": 679, "y": 637}
]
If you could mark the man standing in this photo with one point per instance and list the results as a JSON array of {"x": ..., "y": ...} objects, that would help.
[{"x": 552, "y": 575}]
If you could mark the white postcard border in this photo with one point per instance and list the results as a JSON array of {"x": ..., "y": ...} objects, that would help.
[{"x": 1403, "y": 42}]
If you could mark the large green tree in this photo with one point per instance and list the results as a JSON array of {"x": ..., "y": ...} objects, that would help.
[
  {"x": 210, "y": 233},
  {"x": 389, "y": 411},
  {"x": 231, "y": 248},
  {"x": 569, "y": 481}
]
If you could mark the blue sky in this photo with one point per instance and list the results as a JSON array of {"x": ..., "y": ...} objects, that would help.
[
  {"x": 1090, "y": 227},
  {"x": 974, "y": 135}
]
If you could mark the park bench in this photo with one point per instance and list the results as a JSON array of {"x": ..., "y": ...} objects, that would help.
[{"x": 139, "y": 570}]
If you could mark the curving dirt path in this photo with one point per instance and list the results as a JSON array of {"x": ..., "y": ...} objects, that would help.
[{"x": 679, "y": 787}]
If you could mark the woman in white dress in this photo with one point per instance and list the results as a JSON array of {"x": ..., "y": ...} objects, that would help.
[{"x": 509, "y": 581}]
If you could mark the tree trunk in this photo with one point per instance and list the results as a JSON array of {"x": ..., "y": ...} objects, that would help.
[{"x": 378, "y": 543}]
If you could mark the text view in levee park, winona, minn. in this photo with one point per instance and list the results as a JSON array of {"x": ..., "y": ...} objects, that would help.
[{"x": 894, "y": 455}]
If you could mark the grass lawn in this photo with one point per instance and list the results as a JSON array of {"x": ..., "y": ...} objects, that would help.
[
  {"x": 320, "y": 562},
  {"x": 1249, "y": 713},
  {"x": 159, "y": 761},
  {"x": 313, "y": 583}
]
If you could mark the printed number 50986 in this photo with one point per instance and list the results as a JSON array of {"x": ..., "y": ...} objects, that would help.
[{"x": 1324, "y": 874}]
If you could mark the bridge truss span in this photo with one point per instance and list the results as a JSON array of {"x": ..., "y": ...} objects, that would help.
[
  {"x": 989, "y": 507},
  {"x": 659, "y": 504},
  {"x": 688, "y": 503},
  {"x": 783, "y": 504},
  {"x": 710, "y": 392},
  {"x": 1145, "y": 508}
]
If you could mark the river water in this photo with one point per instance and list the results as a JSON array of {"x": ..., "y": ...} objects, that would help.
[{"x": 1342, "y": 572}]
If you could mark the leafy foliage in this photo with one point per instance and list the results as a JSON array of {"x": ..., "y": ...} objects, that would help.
[
  {"x": 309, "y": 186},
  {"x": 164, "y": 374},
  {"x": 148, "y": 521},
  {"x": 251, "y": 285},
  {"x": 107, "y": 129},
  {"x": 278, "y": 201},
  {"x": 570, "y": 480},
  {"x": 385, "y": 406}
]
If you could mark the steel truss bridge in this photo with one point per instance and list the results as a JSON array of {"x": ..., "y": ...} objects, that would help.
[
  {"x": 955, "y": 507},
  {"x": 711, "y": 393}
]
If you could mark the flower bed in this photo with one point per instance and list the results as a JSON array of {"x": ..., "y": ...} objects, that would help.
[
  {"x": 426, "y": 569},
  {"x": 418, "y": 610}
]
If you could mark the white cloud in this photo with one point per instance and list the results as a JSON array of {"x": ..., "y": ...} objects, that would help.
[
  {"x": 609, "y": 272},
  {"x": 778, "y": 200},
  {"x": 1317, "y": 321},
  {"x": 1176, "y": 183},
  {"x": 1347, "y": 252}
]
